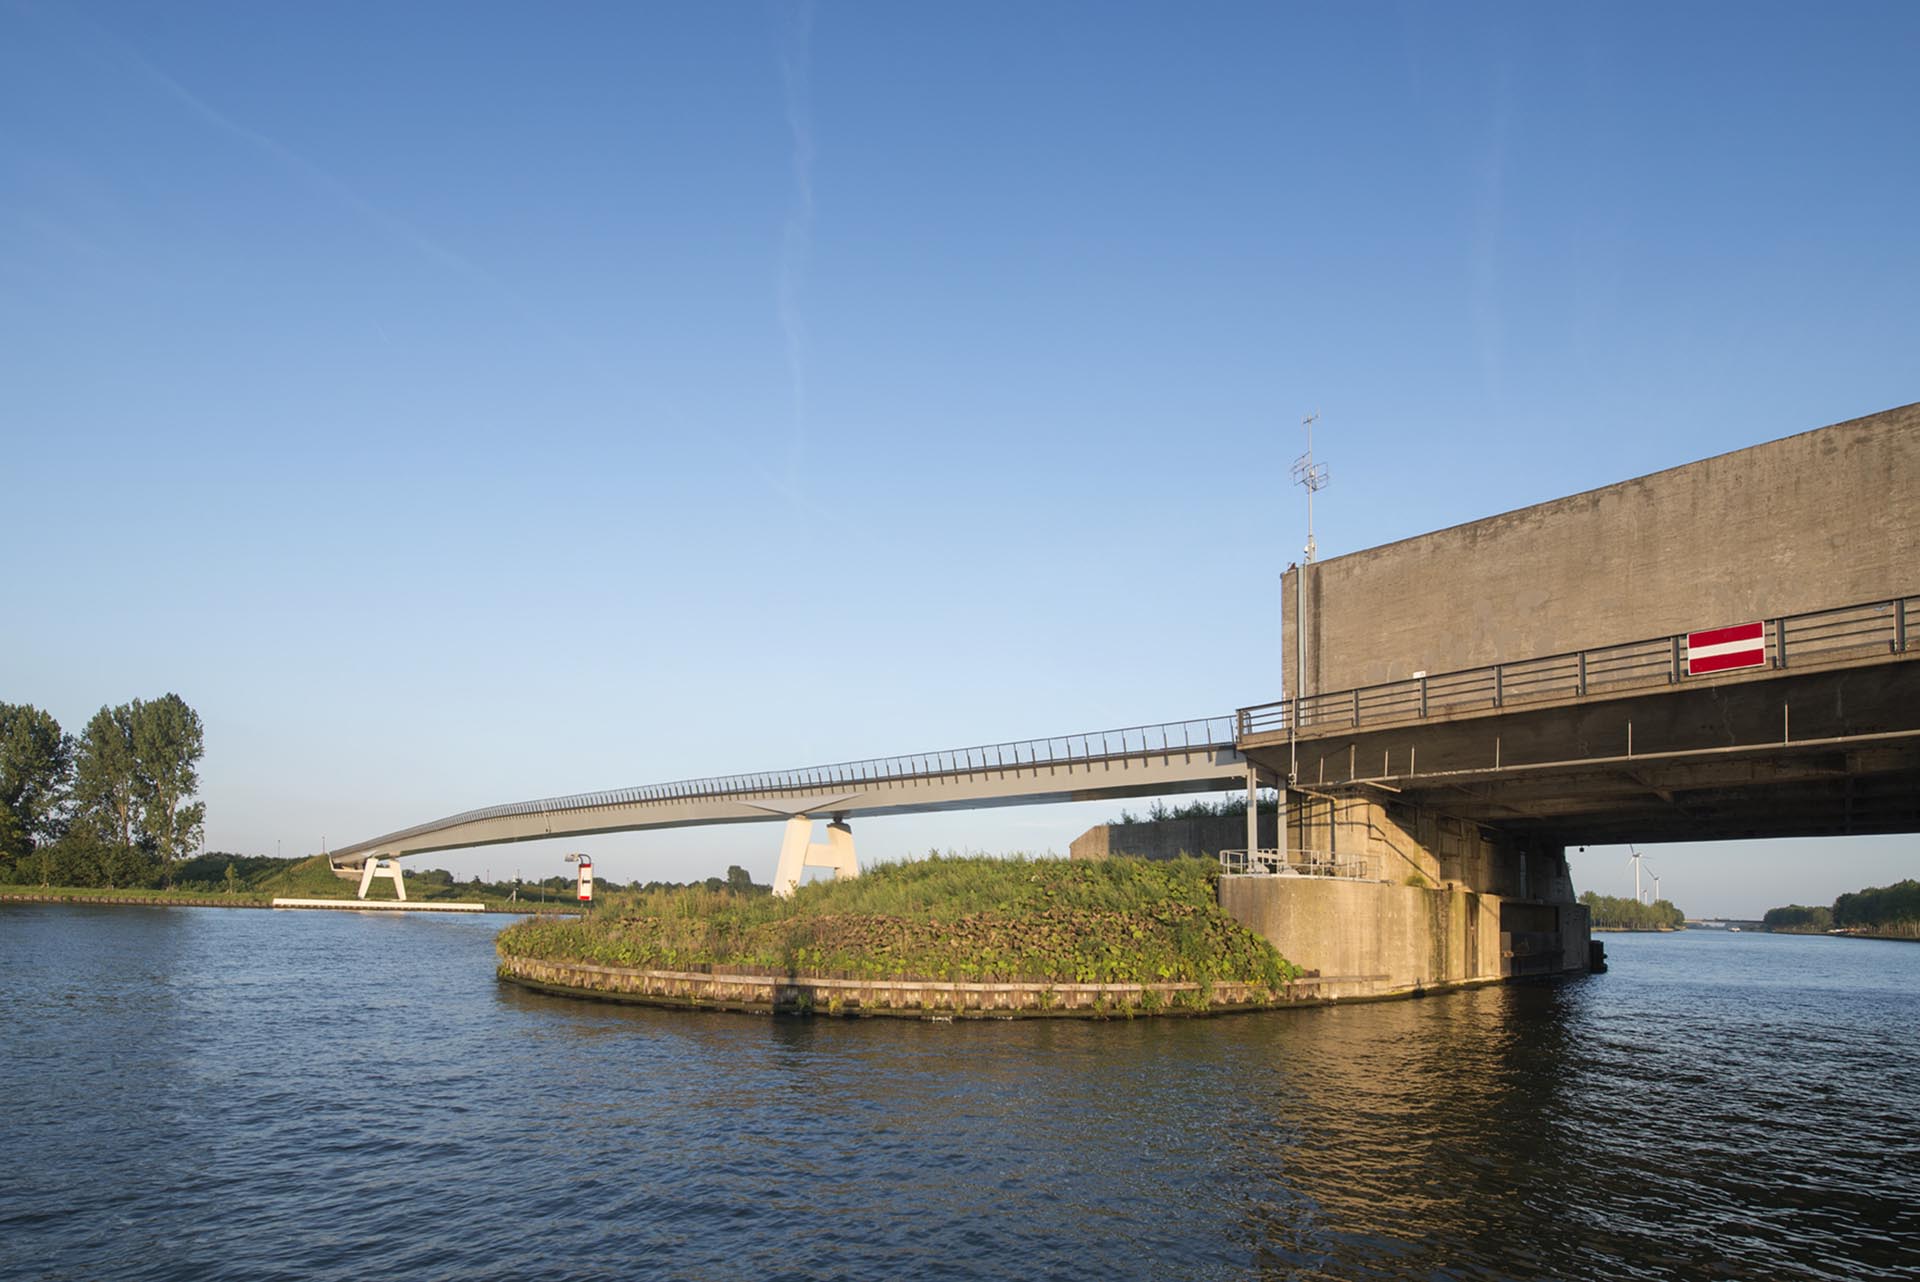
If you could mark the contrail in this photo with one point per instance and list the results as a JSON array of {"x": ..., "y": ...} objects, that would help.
[
  {"x": 303, "y": 170},
  {"x": 796, "y": 239}
]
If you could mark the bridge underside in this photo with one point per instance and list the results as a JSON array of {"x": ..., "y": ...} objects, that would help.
[{"x": 1833, "y": 751}]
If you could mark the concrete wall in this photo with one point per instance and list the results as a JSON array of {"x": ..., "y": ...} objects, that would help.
[
  {"x": 911, "y": 998},
  {"x": 1824, "y": 518},
  {"x": 1364, "y": 939},
  {"x": 1411, "y": 845},
  {"x": 1169, "y": 838}
]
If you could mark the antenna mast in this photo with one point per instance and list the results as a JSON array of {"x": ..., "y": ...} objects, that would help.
[{"x": 1310, "y": 476}]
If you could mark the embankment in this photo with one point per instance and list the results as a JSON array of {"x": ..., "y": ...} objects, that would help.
[{"x": 937, "y": 938}]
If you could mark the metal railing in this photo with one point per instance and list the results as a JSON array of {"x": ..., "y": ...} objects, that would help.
[
  {"x": 1854, "y": 631},
  {"x": 1205, "y": 734},
  {"x": 1296, "y": 863}
]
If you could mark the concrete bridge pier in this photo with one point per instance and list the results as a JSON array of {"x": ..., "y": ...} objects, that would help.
[
  {"x": 799, "y": 852},
  {"x": 378, "y": 866},
  {"x": 1278, "y": 852},
  {"x": 1423, "y": 900}
]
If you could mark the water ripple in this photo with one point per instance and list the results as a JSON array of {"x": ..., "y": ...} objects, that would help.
[{"x": 199, "y": 1094}]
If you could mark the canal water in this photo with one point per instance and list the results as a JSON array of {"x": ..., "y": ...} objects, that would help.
[{"x": 198, "y": 1093}]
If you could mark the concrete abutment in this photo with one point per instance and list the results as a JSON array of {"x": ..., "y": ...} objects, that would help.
[{"x": 1436, "y": 901}]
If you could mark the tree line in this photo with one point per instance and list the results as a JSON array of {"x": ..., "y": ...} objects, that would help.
[
  {"x": 1612, "y": 911},
  {"x": 737, "y": 880},
  {"x": 1880, "y": 910},
  {"x": 112, "y": 807}
]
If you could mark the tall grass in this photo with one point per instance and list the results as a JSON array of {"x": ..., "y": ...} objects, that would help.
[{"x": 944, "y": 918}]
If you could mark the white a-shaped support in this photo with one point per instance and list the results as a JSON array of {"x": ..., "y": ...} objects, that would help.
[
  {"x": 385, "y": 868},
  {"x": 799, "y": 852}
]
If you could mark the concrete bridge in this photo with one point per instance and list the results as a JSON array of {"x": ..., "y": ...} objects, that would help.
[
  {"x": 1137, "y": 761},
  {"x": 1465, "y": 705},
  {"x": 1621, "y": 743}
]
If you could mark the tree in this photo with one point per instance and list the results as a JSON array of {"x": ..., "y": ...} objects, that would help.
[
  {"x": 168, "y": 742},
  {"x": 1607, "y": 911},
  {"x": 1799, "y": 918},
  {"x": 1893, "y": 908},
  {"x": 739, "y": 880},
  {"x": 36, "y": 778},
  {"x": 107, "y": 788}
]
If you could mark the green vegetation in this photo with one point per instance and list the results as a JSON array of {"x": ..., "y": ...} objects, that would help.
[
  {"x": 940, "y": 918},
  {"x": 1611, "y": 913},
  {"x": 257, "y": 880},
  {"x": 1885, "y": 912},
  {"x": 1227, "y": 808},
  {"x": 112, "y": 808},
  {"x": 240, "y": 879},
  {"x": 111, "y": 813},
  {"x": 1881, "y": 910},
  {"x": 1798, "y": 919}
]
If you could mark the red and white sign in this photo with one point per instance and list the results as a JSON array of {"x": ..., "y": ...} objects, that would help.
[
  {"x": 1744, "y": 645},
  {"x": 586, "y": 881}
]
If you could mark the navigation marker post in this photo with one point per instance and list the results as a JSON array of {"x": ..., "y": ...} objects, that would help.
[{"x": 586, "y": 878}]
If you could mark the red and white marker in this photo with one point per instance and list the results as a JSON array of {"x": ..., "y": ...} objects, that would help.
[
  {"x": 1744, "y": 645},
  {"x": 586, "y": 881}
]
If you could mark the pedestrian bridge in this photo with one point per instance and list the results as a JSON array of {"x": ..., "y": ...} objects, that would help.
[{"x": 1137, "y": 761}]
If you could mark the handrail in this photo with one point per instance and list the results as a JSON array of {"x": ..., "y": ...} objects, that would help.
[
  {"x": 1883, "y": 626},
  {"x": 1203, "y": 734},
  {"x": 1296, "y": 863}
]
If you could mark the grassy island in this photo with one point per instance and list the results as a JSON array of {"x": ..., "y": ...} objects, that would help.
[{"x": 949, "y": 935}]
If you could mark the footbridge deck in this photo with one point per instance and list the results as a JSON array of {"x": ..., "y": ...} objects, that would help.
[{"x": 1138, "y": 761}]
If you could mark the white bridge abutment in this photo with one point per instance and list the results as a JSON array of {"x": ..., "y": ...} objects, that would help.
[
  {"x": 380, "y": 866},
  {"x": 799, "y": 852}
]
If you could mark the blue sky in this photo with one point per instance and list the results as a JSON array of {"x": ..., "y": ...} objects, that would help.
[{"x": 461, "y": 403}]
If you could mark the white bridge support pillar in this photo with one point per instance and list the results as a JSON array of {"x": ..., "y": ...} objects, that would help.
[
  {"x": 799, "y": 852},
  {"x": 384, "y": 868}
]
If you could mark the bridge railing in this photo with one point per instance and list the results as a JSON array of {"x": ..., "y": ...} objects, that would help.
[
  {"x": 1296, "y": 863},
  {"x": 1854, "y": 631},
  {"x": 1210, "y": 733}
]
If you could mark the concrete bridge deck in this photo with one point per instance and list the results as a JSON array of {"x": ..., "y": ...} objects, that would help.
[{"x": 1621, "y": 744}]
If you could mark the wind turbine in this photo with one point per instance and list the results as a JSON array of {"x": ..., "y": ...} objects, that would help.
[{"x": 1634, "y": 859}]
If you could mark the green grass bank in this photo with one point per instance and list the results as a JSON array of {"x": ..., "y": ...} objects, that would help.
[
  {"x": 962, "y": 935},
  {"x": 257, "y": 882}
]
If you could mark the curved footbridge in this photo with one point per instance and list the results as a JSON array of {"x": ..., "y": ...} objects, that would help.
[{"x": 1138, "y": 761}]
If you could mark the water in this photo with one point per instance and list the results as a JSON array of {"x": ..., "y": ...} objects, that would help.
[{"x": 198, "y": 1093}]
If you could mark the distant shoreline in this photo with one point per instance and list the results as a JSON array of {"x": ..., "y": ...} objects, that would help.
[
  {"x": 243, "y": 899},
  {"x": 142, "y": 899}
]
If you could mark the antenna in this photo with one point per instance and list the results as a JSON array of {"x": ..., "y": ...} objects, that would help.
[{"x": 1310, "y": 476}]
